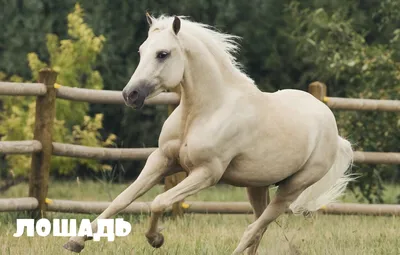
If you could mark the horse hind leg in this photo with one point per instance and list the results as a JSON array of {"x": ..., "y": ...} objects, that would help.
[
  {"x": 288, "y": 191},
  {"x": 259, "y": 199}
]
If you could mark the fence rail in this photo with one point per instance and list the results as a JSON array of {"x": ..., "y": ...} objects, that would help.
[
  {"x": 319, "y": 90},
  {"x": 18, "y": 204},
  {"x": 100, "y": 153},
  {"x": 377, "y": 157},
  {"x": 78, "y": 151},
  {"x": 20, "y": 147},
  {"x": 197, "y": 207},
  {"x": 22, "y": 89},
  {"x": 362, "y": 104},
  {"x": 110, "y": 96},
  {"x": 42, "y": 147},
  {"x": 89, "y": 207}
]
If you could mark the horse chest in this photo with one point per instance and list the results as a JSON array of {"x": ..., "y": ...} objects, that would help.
[
  {"x": 193, "y": 153},
  {"x": 192, "y": 141},
  {"x": 178, "y": 151},
  {"x": 183, "y": 157}
]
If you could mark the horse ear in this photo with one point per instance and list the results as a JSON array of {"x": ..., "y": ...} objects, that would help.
[
  {"x": 149, "y": 19},
  {"x": 176, "y": 26}
]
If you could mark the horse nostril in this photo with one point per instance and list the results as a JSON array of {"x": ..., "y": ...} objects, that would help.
[{"x": 133, "y": 95}]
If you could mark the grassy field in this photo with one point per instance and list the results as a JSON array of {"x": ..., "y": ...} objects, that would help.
[
  {"x": 106, "y": 191},
  {"x": 212, "y": 234}
]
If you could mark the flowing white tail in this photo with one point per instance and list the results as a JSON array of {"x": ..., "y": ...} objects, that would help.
[{"x": 329, "y": 187}]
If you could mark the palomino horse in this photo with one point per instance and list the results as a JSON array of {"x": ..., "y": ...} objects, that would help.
[{"x": 225, "y": 128}]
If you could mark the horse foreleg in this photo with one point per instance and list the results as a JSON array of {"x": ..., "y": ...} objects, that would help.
[
  {"x": 259, "y": 199},
  {"x": 157, "y": 166},
  {"x": 198, "y": 179}
]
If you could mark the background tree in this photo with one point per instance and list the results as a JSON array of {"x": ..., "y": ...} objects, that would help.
[
  {"x": 73, "y": 59},
  {"x": 351, "y": 45},
  {"x": 339, "y": 54}
]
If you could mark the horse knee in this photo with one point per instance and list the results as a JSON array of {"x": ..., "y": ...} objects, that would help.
[{"x": 158, "y": 205}]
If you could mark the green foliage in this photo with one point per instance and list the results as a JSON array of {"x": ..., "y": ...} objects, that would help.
[
  {"x": 285, "y": 45},
  {"x": 340, "y": 55},
  {"x": 73, "y": 60}
]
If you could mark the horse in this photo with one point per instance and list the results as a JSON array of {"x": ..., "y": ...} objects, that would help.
[{"x": 226, "y": 129}]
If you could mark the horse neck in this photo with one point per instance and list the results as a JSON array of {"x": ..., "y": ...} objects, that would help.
[
  {"x": 207, "y": 83},
  {"x": 204, "y": 85}
]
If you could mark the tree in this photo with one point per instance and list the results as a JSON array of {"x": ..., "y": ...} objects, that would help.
[
  {"x": 275, "y": 51},
  {"x": 339, "y": 54},
  {"x": 73, "y": 59}
]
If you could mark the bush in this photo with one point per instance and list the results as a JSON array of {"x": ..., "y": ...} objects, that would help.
[{"x": 73, "y": 59}]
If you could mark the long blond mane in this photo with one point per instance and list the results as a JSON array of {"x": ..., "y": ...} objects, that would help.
[{"x": 222, "y": 46}]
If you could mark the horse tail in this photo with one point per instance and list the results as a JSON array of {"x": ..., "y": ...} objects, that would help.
[{"x": 330, "y": 186}]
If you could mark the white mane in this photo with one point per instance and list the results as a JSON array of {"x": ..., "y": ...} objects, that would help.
[{"x": 222, "y": 46}]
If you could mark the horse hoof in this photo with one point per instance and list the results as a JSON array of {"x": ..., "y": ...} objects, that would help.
[
  {"x": 73, "y": 246},
  {"x": 156, "y": 240}
]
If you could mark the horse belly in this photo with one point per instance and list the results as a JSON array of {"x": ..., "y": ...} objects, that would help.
[{"x": 262, "y": 172}]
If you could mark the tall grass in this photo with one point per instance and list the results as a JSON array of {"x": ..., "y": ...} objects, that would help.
[{"x": 210, "y": 234}]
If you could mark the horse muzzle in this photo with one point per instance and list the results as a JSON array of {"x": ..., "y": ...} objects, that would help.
[{"x": 135, "y": 97}]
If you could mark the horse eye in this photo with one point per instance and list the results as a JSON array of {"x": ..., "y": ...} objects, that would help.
[{"x": 162, "y": 54}]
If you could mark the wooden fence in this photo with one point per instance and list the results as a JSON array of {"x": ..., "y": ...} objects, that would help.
[{"x": 43, "y": 147}]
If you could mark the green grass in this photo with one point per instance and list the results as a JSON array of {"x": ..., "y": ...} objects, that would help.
[
  {"x": 211, "y": 234},
  {"x": 105, "y": 191}
]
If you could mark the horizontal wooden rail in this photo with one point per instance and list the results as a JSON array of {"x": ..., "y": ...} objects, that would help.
[
  {"x": 333, "y": 208},
  {"x": 89, "y": 207},
  {"x": 110, "y": 96},
  {"x": 78, "y": 151},
  {"x": 22, "y": 89},
  {"x": 218, "y": 208},
  {"x": 362, "y": 209},
  {"x": 362, "y": 104},
  {"x": 70, "y": 150},
  {"x": 18, "y": 204},
  {"x": 20, "y": 147},
  {"x": 377, "y": 157}
]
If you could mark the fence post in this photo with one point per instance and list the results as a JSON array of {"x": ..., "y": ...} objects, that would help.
[
  {"x": 318, "y": 90},
  {"x": 173, "y": 180},
  {"x": 44, "y": 118}
]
